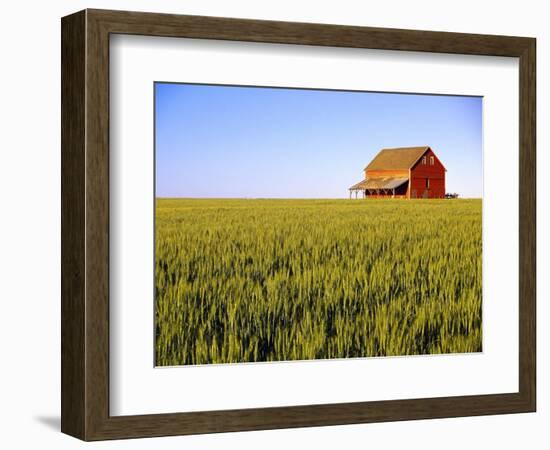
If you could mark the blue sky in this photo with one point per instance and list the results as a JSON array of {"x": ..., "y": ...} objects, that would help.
[{"x": 229, "y": 141}]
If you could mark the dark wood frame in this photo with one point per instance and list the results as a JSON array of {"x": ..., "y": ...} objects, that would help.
[{"x": 85, "y": 224}]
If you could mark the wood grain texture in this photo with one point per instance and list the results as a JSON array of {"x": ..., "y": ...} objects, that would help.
[
  {"x": 153, "y": 24},
  {"x": 85, "y": 224},
  {"x": 72, "y": 224},
  {"x": 97, "y": 226},
  {"x": 527, "y": 225}
]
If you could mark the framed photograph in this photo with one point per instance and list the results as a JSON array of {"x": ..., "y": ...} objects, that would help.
[{"x": 273, "y": 225}]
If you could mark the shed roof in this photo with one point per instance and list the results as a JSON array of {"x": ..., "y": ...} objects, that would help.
[
  {"x": 379, "y": 183},
  {"x": 402, "y": 158}
]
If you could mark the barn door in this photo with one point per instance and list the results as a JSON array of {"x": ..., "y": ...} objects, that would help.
[{"x": 426, "y": 194}]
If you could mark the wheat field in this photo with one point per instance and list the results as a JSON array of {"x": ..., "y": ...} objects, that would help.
[{"x": 271, "y": 280}]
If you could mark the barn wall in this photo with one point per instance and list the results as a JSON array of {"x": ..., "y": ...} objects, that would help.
[
  {"x": 436, "y": 189},
  {"x": 386, "y": 173},
  {"x": 421, "y": 170},
  {"x": 435, "y": 173}
]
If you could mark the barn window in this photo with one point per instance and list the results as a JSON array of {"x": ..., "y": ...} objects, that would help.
[
  {"x": 427, "y": 183},
  {"x": 432, "y": 160},
  {"x": 424, "y": 160}
]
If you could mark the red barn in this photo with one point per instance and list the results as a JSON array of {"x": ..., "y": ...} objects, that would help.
[{"x": 407, "y": 172}]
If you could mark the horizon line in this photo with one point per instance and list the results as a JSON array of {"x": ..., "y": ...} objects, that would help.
[{"x": 299, "y": 198}]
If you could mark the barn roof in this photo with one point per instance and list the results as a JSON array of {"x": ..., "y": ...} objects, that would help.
[
  {"x": 379, "y": 183},
  {"x": 402, "y": 158}
]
